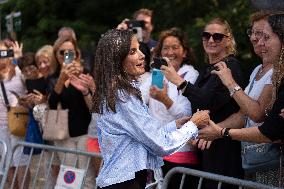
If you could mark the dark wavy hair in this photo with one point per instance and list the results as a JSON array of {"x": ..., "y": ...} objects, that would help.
[
  {"x": 112, "y": 49},
  {"x": 182, "y": 37},
  {"x": 276, "y": 22}
]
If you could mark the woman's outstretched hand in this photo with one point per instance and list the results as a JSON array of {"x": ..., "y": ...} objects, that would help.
[
  {"x": 200, "y": 118},
  {"x": 210, "y": 132}
]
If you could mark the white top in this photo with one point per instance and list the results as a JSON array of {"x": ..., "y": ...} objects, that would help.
[
  {"x": 181, "y": 105},
  {"x": 17, "y": 85},
  {"x": 257, "y": 88}
]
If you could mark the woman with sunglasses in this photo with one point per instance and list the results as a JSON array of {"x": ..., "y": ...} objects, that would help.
[
  {"x": 66, "y": 93},
  {"x": 260, "y": 161},
  {"x": 209, "y": 93}
]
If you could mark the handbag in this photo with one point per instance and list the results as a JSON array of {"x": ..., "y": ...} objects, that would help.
[
  {"x": 17, "y": 116},
  {"x": 56, "y": 124},
  {"x": 33, "y": 135}
]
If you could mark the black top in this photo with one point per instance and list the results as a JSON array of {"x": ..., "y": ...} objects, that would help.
[
  {"x": 273, "y": 126},
  {"x": 208, "y": 93},
  {"x": 79, "y": 116}
]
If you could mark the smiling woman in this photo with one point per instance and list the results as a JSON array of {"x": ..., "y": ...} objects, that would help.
[
  {"x": 208, "y": 93},
  {"x": 134, "y": 62},
  {"x": 260, "y": 160},
  {"x": 168, "y": 104},
  {"x": 131, "y": 140}
]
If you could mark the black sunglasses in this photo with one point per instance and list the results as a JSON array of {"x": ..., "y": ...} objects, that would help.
[
  {"x": 62, "y": 52},
  {"x": 217, "y": 37}
]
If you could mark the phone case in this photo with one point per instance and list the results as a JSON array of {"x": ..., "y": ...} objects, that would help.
[
  {"x": 157, "y": 78},
  {"x": 37, "y": 84},
  {"x": 69, "y": 57}
]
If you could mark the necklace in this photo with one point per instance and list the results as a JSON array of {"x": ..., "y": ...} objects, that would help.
[{"x": 263, "y": 69}]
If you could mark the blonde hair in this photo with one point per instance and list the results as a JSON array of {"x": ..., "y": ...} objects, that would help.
[
  {"x": 47, "y": 52},
  {"x": 220, "y": 21}
]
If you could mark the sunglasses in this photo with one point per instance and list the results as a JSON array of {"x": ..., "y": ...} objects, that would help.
[
  {"x": 217, "y": 37},
  {"x": 62, "y": 52}
]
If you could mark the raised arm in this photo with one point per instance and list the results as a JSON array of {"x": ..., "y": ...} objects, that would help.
[{"x": 254, "y": 109}]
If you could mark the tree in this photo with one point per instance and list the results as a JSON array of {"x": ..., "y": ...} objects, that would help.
[{"x": 42, "y": 18}]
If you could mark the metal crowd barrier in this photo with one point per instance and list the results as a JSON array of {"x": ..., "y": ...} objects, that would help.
[
  {"x": 214, "y": 177},
  {"x": 3, "y": 156},
  {"x": 38, "y": 168}
]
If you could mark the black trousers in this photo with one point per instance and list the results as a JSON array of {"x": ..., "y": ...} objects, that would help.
[{"x": 139, "y": 182}]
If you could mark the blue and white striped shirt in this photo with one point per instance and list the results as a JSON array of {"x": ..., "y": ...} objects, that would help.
[{"x": 131, "y": 140}]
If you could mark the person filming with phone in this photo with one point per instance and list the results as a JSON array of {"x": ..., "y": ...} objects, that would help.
[
  {"x": 146, "y": 17},
  {"x": 165, "y": 102},
  {"x": 208, "y": 92},
  {"x": 67, "y": 54}
]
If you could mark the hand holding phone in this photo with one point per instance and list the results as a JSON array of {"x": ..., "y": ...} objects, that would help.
[
  {"x": 157, "y": 78},
  {"x": 69, "y": 57},
  {"x": 158, "y": 62}
]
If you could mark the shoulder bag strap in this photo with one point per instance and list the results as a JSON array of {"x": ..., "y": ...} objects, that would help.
[{"x": 5, "y": 95}]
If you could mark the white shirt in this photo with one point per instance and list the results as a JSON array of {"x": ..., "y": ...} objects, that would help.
[
  {"x": 16, "y": 84},
  {"x": 181, "y": 105}
]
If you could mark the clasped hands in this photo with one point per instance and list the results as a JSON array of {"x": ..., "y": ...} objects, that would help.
[{"x": 208, "y": 130}]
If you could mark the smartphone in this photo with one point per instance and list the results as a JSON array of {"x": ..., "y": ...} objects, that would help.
[
  {"x": 135, "y": 23},
  {"x": 36, "y": 84},
  {"x": 158, "y": 62},
  {"x": 69, "y": 57},
  {"x": 157, "y": 78}
]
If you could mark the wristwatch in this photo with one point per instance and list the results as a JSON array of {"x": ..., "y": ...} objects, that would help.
[
  {"x": 226, "y": 134},
  {"x": 182, "y": 85},
  {"x": 235, "y": 89}
]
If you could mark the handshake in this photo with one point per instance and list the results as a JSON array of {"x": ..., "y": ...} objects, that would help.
[{"x": 200, "y": 119}]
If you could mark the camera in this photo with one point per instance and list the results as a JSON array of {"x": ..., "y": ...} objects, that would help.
[
  {"x": 69, "y": 57},
  {"x": 136, "y": 26},
  {"x": 158, "y": 62},
  {"x": 6, "y": 53}
]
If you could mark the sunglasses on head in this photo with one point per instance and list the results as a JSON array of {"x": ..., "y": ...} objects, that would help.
[
  {"x": 217, "y": 37},
  {"x": 62, "y": 52}
]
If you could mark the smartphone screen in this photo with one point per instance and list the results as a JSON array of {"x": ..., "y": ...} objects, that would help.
[
  {"x": 69, "y": 57},
  {"x": 157, "y": 78}
]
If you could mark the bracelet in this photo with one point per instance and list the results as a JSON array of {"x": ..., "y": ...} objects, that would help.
[
  {"x": 234, "y": 90},
  {"x": 182, "y": 85}
]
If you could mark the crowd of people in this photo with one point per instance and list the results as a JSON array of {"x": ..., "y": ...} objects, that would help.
[{"x": 206, "y": 120}]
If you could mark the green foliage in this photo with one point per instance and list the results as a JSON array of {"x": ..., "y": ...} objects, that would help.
[{"x": 42, "y": 18}]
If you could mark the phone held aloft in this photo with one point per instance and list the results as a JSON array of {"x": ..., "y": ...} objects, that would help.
[
  {"x": 157, "y": 78},
  {"x": 136, "y": 26},
  {"x": 158, "y": 62},
  {"x": 6, "y": 53},
  {"x": 69, "y": 57}
]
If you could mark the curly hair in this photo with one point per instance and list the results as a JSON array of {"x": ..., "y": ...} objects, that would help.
[
  {"x": 182, "y": 37},
  {"x": 276, "y": 22},
  {"x": 110, "y": 78}
]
